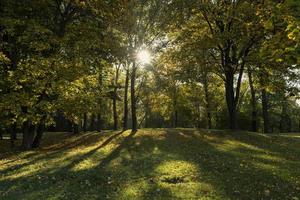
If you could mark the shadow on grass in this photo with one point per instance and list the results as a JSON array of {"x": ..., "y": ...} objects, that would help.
[
  {"x": 52, "y": 149},
  {"x": 131, "y": 170}
]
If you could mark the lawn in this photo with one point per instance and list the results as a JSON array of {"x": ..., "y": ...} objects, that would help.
[{"x": 154, "y": 164}]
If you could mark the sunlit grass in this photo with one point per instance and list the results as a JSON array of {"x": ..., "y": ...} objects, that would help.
[{"x": 154, "y": 164}]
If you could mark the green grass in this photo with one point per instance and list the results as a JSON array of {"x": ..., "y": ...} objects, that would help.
[{"x": 154, "y": 164}]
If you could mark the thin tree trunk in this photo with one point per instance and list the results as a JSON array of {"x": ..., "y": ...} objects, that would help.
[
  {"x": 125, "y": 118},
  {"x": 207, "y": 101},
  {"x": 25, "y": 132},
  {"x": 69, "y": 125},
  {"x": 92, "y": 125},
  {"x": 198, "y": 115},
  {"x": 84, "y": 122},
  {"x": 99, "y": 121},
  {"x": 143, "y": 119},
  {"x": 13, "y": 135},
  {"x": 253, "y": 103},
  {"x": 75, "y": 128},
  {"x": 176, "y": 119},
  {"x": 265, "y": 109},
  {"x": 175, "y": 113},
  {"x": 58, "y": 119},
  {"x": 99, "y": 115},
  {"x": 115, "y": 112},
  {"x": 285, "y": 121},
  {"x": 299, "y": 125},
  {"x": 14, "y": 131},
  {"x": 133, "y": 98}
]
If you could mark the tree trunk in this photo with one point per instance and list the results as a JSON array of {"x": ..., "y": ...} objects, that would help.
[
  {"x": 285, "y": 120},
  {"x": 69, "y": 125},
  {"x": 28, "y": 134},
  {"x": 232, "y": 91},
  {"x": 133, "y": 98},
  {"x": 299, "y": 125},
  {"x": 175, "y": 112},
  {"x": 39, "y": 134},
  {"x": 198, "y": 115},
  {"x": 176, "y": 119},
  {"x": 99, "y": 121},
  {"x": 230, "y": 100},
  {"x": 207, "y": 101},
  {"x": 84, "y": 122},
  {"x": 75, "y": 128},
  {"x": 99, "y": 115},
  {"x": 13, "y": 135},
  {"x": 125, "y": 118},
  {"x": 265, "y": 109},
  {"x": 92, "y": 125},
  {"x": 115, "y": 112},
  {"x": 14, "y": 131},
  {"x": 253, "y": 103}
]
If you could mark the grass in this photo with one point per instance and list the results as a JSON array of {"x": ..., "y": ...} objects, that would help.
[{"x": 154, "y": 164}]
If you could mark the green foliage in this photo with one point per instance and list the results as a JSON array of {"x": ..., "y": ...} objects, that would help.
[{"x": 59, "y": 57}]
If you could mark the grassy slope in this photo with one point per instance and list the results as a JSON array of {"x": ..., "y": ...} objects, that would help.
[{"x": 155, "y": 164}]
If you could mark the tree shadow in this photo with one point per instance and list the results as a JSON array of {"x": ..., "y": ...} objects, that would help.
[
  {"x": 234, "y": 174},
  {"x": 94, "y": 150},
  {"x": 67, "y": 144},
  {"x": 116, "y": 152},
  {"x": 130, "y": 170}
]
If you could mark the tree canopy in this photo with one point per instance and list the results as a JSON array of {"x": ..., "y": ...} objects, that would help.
[{"x": 72, "y": 65}]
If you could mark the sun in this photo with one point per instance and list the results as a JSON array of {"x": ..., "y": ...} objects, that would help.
[{"x": 144, "y": 57}]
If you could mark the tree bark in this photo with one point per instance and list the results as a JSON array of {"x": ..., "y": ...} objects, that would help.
[
  {"x": 175, "y": 112},
  {"x": 39, "y": 134},
  {"x": 265, "y": 109},
  {"x": 232, "y": 92},
  {"x": 133, "y": 97},
  {"x": 69, "y": 125},
  {"x": 92, "y": 125},
  {"x": 115, "y": 112},
  {"x": 198, "y": 115},
  {"x": 230, "y": 100},
  {"x": 28, "y": 134},
  {"x": 176, "y": 119},
  {"x": 125, "y": 117},
  {"x": 84, "y": 122},
  {"x": 285, "y": 120},
  {"x": 75, "y": 128},
  {"x": 99, "y": 115},
  {"x": 13, "y": 135},
  {"x": 99, "y": 121},
  {"x": 207, "y": 101},
  {"x": 253, "y": 103}
]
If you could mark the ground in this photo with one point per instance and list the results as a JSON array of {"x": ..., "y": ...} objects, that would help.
[{"x": 154, "y": 164}]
